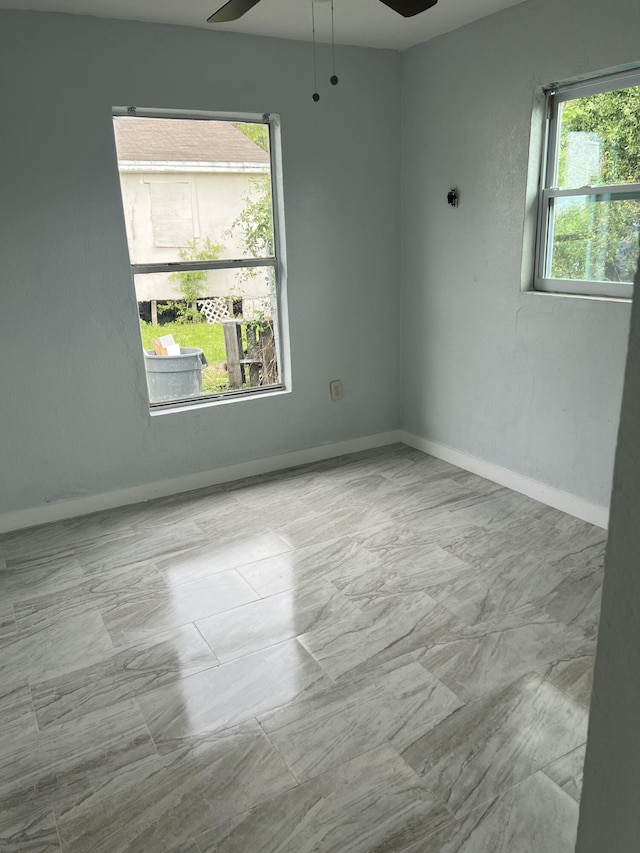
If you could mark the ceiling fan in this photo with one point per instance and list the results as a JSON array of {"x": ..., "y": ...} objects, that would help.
[{"x": 234, "y": 9}]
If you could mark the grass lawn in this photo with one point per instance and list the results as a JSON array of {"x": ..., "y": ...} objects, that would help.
[{"x": 207, "y": 337}]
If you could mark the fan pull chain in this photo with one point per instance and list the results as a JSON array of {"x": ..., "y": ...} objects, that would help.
[
  {"x": 315, "y": 96},
  {"x": 333, "y": 78}
]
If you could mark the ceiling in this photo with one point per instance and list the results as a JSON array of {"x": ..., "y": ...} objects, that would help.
[{"x": 360, "y": 22}]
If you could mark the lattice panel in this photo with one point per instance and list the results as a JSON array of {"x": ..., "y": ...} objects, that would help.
[{"x": 214, "y": 309}]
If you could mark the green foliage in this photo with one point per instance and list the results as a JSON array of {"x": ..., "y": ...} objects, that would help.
[
  {"x": 615, "y": 118},
  {"x": 255, "y": 223},
  {"x": 598, "y": 239},
  {"x": 192, "y": 284},
  {"x": 258, "y": 133}
]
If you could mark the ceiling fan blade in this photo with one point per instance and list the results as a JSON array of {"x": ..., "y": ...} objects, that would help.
[
  {"x": 409, "y": 8},
  {"x": 231, "y": 11}
]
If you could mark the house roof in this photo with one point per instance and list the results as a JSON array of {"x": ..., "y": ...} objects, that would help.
[{"x": 180, "y": 140}]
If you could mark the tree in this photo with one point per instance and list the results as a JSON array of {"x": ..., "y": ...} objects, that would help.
[
  {"x": 594, "y": 238},
  {"x": 255, "y": 224},
  {"x": 254, "y": 227},
  {"x": 257, "y": 133},
  {"x": 192, "y": 284}
]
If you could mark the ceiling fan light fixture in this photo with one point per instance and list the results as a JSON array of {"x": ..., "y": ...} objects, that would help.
[
  {"x": 235, "y": 9},
  {"x": 231, "y": 11},
  {"x": 409, "y": 8}
]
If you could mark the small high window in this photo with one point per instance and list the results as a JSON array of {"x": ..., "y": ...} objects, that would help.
[
  {"x": 589, "y": 202},
  {"x": 203, "y": 218}
]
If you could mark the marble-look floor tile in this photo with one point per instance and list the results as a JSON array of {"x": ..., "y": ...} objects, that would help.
[
  {"x": 411, "y": 581},
  {"x": 105, "y": 590},
  {"x": 409, "y": 569},
  {"x": 221, "y": 555},
  {"x": 189, "y": 847},
  {"x": 229, "y": 522},
  {"x": 38, "y": 577},
  {"x": 202, "y": 505},
  {"x": 223, "y": 697},
  {"x": 498, "y": 551},
  {"x": 17, "y": 717},
  {"x": 256, "y": 492},
  {"x": 390, "y": 627},
  {"x": 438, "y": 526},
  {"x": 532, "y": 817},
  {"x": 61, "y": 537},
  {"x": 331, "y": 524},
  {"x": 275, "y": 513},
  {"x": 137, "y": 618},
  {"x": 273, "y": 620},
  {"x": 576, "y": 601},
  {"x": 477, "y": 484},
  {"x": 401, "y": 502},
  {"x": 504, "y": 510},
  {"x": 27, "y": 828},
  {"x": 494, "y": 742},
  {"x": 567, "y": 772},
  {"x": 47, "y": 541},
  {"x": 351, "y": 465},
  {"x": 58, "y": 766},
  {"x": 139, "y": 546},
  {"x": 488, "y": 592},
  {"x": 147, "y": 666},
  {"x": 296, "y": 568},
  {"x": 413, "y": 467},
  {"x": 476, "y": 660},
  {"x": 576, "y": 545},
  {"x": 54, "y": 650},
  {"x": 7, "y": 621},
  {"x": 362, "y": 490},
  {"x": 331, "y": 726},
  {"x": 373, "y": 802},
  {"x": 163, "y": 804},
  {"x": 573, "y": 675}
]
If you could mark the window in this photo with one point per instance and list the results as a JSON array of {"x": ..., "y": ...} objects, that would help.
[
  {"x": 589, "y": 202},
  {"x": 201, "y": 198},
  {"x": 171, "y": 213}
]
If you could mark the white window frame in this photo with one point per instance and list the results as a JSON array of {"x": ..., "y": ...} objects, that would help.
[
  {"x": 548, "y": 191},
  {"x": 276, "y": 261}
]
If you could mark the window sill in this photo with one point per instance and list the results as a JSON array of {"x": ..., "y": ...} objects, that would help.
[
  {"x": 624, "y": 300},
  {"x": 211, "y": 402}
]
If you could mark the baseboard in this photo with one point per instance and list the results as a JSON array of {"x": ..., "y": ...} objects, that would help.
[
  {"x": 571, "y": 504},
  {"x": 61, "y": 510}
]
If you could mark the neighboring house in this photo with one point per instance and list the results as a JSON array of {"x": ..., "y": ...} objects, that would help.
[{"x": 183, "y": 181}]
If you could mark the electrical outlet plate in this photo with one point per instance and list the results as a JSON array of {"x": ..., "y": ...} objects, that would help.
[{"x": 336, "y": 389}]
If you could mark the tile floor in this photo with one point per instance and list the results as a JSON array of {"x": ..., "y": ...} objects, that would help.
[{"x": 378, "y": 653}]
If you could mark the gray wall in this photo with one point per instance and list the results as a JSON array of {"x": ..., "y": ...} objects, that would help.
[
  {"x": 609, "y": 813},
  {"x": 74, "y": 416},
  {"x": 529, "y": 382},
  {"x": 526, "y": 381}
]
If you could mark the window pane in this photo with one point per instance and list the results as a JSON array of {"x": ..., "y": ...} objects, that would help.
[
  {"x": 599, "y": 139},
  {"x": 194, "y": 189},
  {"x": 594, "y": 238},
  {"x": 225, "y": 323}
]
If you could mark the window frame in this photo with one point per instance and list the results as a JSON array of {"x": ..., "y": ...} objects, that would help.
[
  {"x": 555, "y": 95},
  {"x": 276, "y": 261}
]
